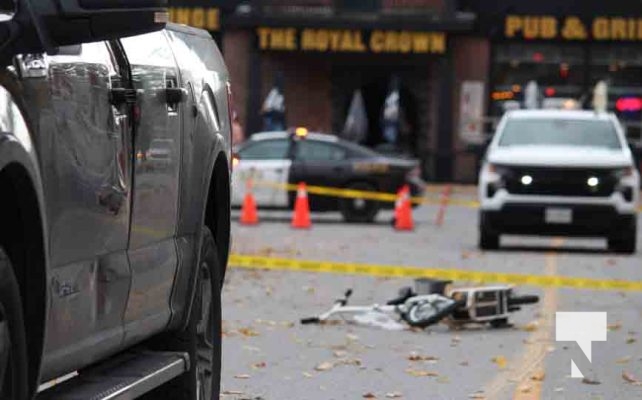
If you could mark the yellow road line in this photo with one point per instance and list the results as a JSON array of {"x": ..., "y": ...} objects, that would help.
[
  {"x": 529, "y": 364},
  {"x": 401, "y": 271}
]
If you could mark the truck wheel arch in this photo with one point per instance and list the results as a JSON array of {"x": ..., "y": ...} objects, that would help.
[
  {"x": 217, "y": 209},
  {"x": 22, "y": 237}
]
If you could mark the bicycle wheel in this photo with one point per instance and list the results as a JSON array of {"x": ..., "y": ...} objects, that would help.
[
  {"x": 519, "y": 300},
  {"x": 421, "y": 315}
]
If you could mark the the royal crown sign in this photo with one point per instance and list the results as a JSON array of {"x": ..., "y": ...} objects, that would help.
[
  {"x": 350, "y": 41},
  {"x": 573, "y": 28}
]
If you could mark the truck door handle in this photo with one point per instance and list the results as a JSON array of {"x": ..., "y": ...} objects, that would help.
[
  {"x": 175, "y": 95},
  {"x": 118, "y": 96}
]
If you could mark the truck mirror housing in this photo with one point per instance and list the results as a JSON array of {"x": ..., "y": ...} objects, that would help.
[{"x": 46, "y": 25}]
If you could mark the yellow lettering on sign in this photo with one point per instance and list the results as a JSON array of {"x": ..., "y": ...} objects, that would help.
[
  {"x": 631, "y": 24},
  {"x": 264, "y": 35},
  {"x": 438, "y": 43},
  {"x": 358, "y": 42},
  {"x": 640, "y": 29},
  {"x": 346, "y": 41},
  {"x": 181, "y": 16},
  {"x": 335, "y": 38},
  {"x": 421, "y": 43},
  {"x": 322, "y": 40},
  {"x": 213, "y": 19},
  {"x": 307, "y": 40},
  {"x": 391, "y": 41},
  {"x": 376, "y": 41},
  {"x": 548, "y": 28},
  {"x": 574, "y": 29},
  {"x": 618, "y": 29},
  {"x": 290, "y": 39},
  {"x": 512, "y": 26},
  {"x": 405, "y": 42},
  {"x": 531, "y": 28},
  {"x": 600, "y": 29},
  {"x": 198, "y": 18}
]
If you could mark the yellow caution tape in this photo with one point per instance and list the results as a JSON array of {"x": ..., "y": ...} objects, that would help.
[
  {"x": 398, "y": 271},
  {"x": 361, "y": 194}
]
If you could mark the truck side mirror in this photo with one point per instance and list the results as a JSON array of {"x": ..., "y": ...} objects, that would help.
[{"x": 45, "y": 25}]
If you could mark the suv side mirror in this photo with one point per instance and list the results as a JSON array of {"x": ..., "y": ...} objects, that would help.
[{"x": 46, "y": 25}]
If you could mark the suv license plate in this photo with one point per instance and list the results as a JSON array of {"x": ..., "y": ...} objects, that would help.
[{"x": 558, "y": 216}]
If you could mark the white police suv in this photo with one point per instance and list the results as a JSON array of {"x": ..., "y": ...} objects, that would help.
[{"x": 554, "y": 172}]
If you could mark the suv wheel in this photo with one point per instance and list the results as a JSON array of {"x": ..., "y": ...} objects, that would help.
[
  {"x": 202, "y": 337},
  {"x": 13, "y": 349},
  {"x": 625, "y": 244},
  {"x": 488, "y": 239}
]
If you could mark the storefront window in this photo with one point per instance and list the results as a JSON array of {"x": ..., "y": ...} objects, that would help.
[
  {"x": 621, "y": 67},
  {"x": 565, "y": 75},
  {"x": 557, "y": 70}
]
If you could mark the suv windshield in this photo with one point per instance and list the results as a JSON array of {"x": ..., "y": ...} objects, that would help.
[{"x": 562, "y": 132}]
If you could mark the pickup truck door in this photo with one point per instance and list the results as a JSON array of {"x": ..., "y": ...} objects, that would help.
[
  {"x": 87, "y": 177},
  {"x": 157, "y": 146}
]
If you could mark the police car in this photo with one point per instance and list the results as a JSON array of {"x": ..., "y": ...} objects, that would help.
[
  {"x": 271, "y": 159},
  {"x": 554, "y": 172}
]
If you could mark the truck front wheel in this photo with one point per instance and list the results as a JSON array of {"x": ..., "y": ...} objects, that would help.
[
  {"x": 13, "y": 348},
  {"x": 201, "y": 339}
]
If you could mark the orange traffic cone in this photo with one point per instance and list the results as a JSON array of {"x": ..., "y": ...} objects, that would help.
[
  {"x": 301, "y": 216},
  {"x": 249, "y": 215},
  {"x": 403, "y": 213}
]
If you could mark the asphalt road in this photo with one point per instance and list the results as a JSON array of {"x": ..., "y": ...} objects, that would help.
[{"x": 268, "y": 355}]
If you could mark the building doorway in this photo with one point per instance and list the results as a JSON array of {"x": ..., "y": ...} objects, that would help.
[{"x": 373, "y": 82}]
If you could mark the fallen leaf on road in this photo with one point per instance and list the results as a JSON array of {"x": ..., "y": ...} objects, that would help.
[
  {"x": 231, "y": 392},
  {"x": 287, "y": 324},
  {"x": 477, "y": 395},
  {"x": 340, "y": 353},
  {"x": 526, "y": 388},
  {"x": 258, "y": 365},
  {"x": 531, "y": 326},
  {"x": 249, "y": 332},
  {"x": 352, "y": 337},
  {"x": 623, "y": 360},
  {"x": 414, "y": 356},
  {"x": 500, "y": 361},
  {"x": 394, "y": 395},
  {"x": 324, "y": 366},
  {"x": 614, "y": 326},
  {"x": 420, "y": 372},
  {"x": 538, "y": 376},
  {"x": 353, "y": 361},
  {"x": 631, "y": 379},
  {"x": 369, "y": 396},
  {"x": 242, "y": 376},
  {"x": 307, "y": 375},
  {"x": 630, "y": 340},
  {"x": 443, "y": 379},
  {"x": 590, "y": 381}
]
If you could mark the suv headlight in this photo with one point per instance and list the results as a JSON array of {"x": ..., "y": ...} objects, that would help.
[
  {"x": 495, "y": 181},
  {"x": 626, "y": 189}
]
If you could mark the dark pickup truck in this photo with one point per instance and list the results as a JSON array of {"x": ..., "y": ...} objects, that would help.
[{"x": 112, "y": 252}]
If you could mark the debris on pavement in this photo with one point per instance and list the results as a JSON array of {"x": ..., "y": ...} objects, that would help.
[
  {"x": 324, "y": 366},
  {"x": 394, "y": 395},
  {"x": 242, "y": 376},
  {"x": 414, "y": 356},
  {"x": 500, "y": 361},
  {"x": 629, "y": 378},
  {"x": 369, "y": 396},
  {"x": 591, "y": 381},
  {"x": 421, "y": 373}
]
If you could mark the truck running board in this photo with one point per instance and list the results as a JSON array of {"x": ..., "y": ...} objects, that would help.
[{"x": 123, "y": 377}]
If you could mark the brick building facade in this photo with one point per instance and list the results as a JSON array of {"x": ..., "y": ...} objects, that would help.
[{"x": 461, "y": 63}]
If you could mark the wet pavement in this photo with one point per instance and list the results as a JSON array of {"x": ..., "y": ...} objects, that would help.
[{"x": 269, "y": 355}]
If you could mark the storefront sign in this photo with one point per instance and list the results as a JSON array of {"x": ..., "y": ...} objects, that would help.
[
  {"x": 200, "y": 17},
  {"x": 351, "y": 41},
  {"x": 573, "y": 28}
]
